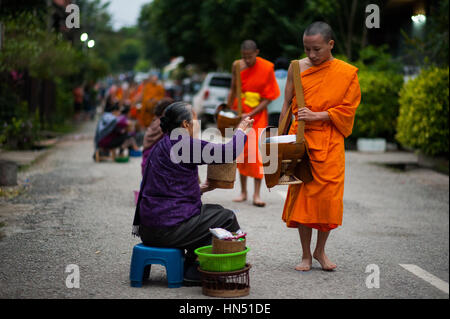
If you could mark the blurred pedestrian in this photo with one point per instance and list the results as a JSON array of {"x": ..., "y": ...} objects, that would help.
[
  {"x": 89, "y": 102},
  {"x": 152, "y": 92},
  {"x": 77, "y": 101},
  {"x": 113, "y": 131}
]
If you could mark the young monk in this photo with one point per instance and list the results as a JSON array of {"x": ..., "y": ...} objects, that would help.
[
  {"x": 259, "y": 87},
  {"x": 332, "y": 94}
]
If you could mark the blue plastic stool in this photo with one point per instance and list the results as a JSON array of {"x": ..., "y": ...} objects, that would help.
[
  {"x": 134, "y": 153},
  {"x": 145, "y": 256}
]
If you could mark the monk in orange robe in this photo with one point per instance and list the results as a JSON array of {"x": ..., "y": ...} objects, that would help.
[
  {"x": 259, "y": 87},
  {"x": 151, "y": 94},
  {"x": 135, "y": 93},
  {"x": 332, "y": 94}
]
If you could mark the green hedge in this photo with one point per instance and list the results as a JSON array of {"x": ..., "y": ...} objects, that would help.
[
  {"x": 377, "y": 114},
  {"x": 423, "y": 119}
]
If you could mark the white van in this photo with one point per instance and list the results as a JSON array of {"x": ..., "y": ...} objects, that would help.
[{"x": 214, "y": 91}]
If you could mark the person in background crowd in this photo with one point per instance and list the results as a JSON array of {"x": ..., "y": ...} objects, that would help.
[
  {"x": 152, "y": 92},
  {"x": 78, "y": 101},
  {"x": 113, "y": 131}
]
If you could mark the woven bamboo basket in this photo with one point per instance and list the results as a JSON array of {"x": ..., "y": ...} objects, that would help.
[
  {"x": 222, "y": 175},
  {"x": 226, "y": 284},
  {"x": 220, "y": 246}
]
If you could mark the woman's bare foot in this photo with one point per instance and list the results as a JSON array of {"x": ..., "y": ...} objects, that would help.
[
  {"x": 241, "y": 198},
  {"x": 305, "y": 265},
  {"x": 326, "y": 264}
]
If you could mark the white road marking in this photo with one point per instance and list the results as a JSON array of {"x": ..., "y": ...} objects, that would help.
[{"x": 419, "y": 272}]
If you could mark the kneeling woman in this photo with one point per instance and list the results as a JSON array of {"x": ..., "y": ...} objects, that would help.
[{"x": 169, "y": 212}]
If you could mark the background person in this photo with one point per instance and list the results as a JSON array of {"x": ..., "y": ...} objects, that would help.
[{"x": 259, "y": 87}]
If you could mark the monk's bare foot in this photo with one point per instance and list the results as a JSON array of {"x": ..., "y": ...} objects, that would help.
[
  {"x": 241, "y": 198},
  {"x": 326, "y": 264},
  {"x": 305, "y": 265},
  {"x": 257, "y": 201}
]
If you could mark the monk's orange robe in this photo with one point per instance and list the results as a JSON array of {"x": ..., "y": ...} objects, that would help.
[
  {"x": 119, "y": 94},
  {"x": 332, "y": 87},
  {"x": 257, "y": 82},
  {"x": 134, "y": 112},
  {"x": 151, "y": 91}
]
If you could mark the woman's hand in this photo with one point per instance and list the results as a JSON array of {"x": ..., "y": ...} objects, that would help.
[
  {"x": 205, "y": 187},
  {"x": 245, "y": 124}
]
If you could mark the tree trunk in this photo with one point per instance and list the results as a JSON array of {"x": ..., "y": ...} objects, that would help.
[{"x": 350, "y": 29}]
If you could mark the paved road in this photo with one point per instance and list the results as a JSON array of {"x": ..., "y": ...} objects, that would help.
[{"x": 79, "y": 212}]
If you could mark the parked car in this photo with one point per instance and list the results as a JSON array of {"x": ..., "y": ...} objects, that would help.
[
  {"x": 214, "y": 91},
  {"x": 190, "y": 88}
]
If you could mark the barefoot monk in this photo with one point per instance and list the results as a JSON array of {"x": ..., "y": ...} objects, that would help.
[
  {"x": 332, "y": 94},
  {"x": 259, "y": 87}
]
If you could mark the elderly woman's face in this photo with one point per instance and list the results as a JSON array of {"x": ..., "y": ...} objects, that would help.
[{"x": 193, "y": 127}]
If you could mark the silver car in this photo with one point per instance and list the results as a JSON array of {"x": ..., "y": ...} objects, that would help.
[{"x": 214, "y": 91}]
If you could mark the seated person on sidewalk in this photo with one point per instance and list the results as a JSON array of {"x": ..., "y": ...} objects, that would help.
[
  {"x": 112, "y": 130},
  {"x": 154, "y": 133},
  {"x": 169, "y": 212}
]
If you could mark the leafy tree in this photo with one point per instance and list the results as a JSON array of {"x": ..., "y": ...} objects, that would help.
[
  {"x": 178, "y": 25},
  {"x": 424, "y": 110},
  {"x": 433, "y": 48},
  {"x": 129, "y": 53},
  {"x": 154, "y": 48}
]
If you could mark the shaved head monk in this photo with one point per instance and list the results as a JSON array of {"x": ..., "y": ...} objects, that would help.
[
  {"x": 332, "y": 94},
  {"x": 259, "y": 87}
]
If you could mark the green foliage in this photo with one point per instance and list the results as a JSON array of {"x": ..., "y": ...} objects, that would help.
[
  {"x": 424, "y": 111},
  {"x": 377, "y": 59},
  {"x": 209, "y": 32},
  {"x": 178, "y": 24},
  {"x": 377, "y": 114},
  {"x": 142, "y": 65},
  {"x": 154, "y": 48},
  {"x": 380, "y": 80},
  {"x": 43, "y": 54},
  {"x": 432, "y": 48},
  {"x": 129, "y": 53},
  {"x": 22, "y": 131},
  {"x": 63, "y": 104}
]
